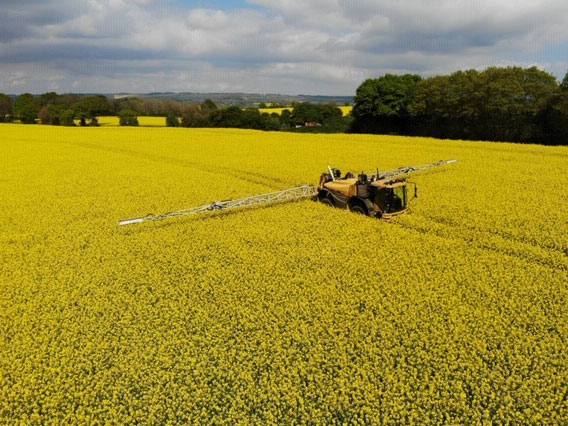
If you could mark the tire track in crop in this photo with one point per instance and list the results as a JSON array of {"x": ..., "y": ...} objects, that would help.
[
  {"x": 524, "y": 251},
  {"x": 502, "y": 233},
  {"x": 251, "y": 177}
]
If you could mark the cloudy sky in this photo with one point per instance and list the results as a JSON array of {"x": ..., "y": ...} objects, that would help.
[{"x": 266, "y": 46}]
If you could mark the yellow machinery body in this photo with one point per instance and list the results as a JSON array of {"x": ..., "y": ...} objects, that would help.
[{"x": 382, "y": 198}]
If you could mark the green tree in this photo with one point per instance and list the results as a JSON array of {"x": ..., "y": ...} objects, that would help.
[
  {"x": 55, "y": 112},
  {"x": 381, "y": 104},
  {"x": 194, "y": 117},
  {"x": 67, "y": 117},
  {"x": 447, "y": 106},
  {"x": 128, "y": 118},
  {"x": 228, "y": 117},
  {"x": 27, "y": 108},
  {"x": 48, "y": 98},
  {"x": 67, "y": 100},
  {"x": 95, "y": 106},
  {"x": 270, "y": 121},
  {"x": 564, "y": 84},
  {"x": 208, "y": 106},
  {"x": 5, "y": 107},
  {"x": 497, "y": 104},
  {"x": 309, "y": 112},
  {"x": 91, "y": 107},
  {"x": 554, "y": 120},
  {"x": 80, "y": 113},
  {"x": 235, "y": 117},
  {"x": 172, "y": 121},
  {"x": 285, "y": 118},
  {"x": 513, "y": 99}
]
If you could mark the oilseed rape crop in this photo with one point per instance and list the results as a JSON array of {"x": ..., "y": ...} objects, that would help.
[
  {"x": 455, "y": 312},
  {"x": 142, "y": 120}
]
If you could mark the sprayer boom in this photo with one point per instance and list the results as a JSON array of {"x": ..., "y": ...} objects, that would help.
[
  {"x": 301, "y": 192},
  {"x": 413, "y": 169}
]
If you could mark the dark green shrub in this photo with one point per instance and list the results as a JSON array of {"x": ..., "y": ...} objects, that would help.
[
  {"x": 128, "y": 118},
  {"x": 172, "y": 121}
]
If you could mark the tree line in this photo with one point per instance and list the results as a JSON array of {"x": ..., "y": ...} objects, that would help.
[
  {"x": 66, "y": 110},
  {"x": 52, "y": 108},
  {"x": 303, "y": 116},
  {"x": 514, "y": 104}
]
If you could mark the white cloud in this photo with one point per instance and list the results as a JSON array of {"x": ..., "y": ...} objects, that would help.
[{"x": 313, "y": 46}]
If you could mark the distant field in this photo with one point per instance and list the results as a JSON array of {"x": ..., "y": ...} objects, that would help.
[
  {"x": 142, "y": 121},
  {"x": 455, "y": 313},
  {"x": 346, "y": 110}
]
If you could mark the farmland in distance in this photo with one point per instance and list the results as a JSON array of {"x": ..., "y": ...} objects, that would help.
[
  {"x": 345, "y": 110},
  {"x": 455, "y": 312}
]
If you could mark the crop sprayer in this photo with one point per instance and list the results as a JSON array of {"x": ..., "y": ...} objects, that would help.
[{"x": 381, "y": 195}]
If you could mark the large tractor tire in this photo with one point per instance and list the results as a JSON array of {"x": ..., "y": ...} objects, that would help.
[
  {"x": 326, "y": 201},
  {"x": 359, "y": 210}
]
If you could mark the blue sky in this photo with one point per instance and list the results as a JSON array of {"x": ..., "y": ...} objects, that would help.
[{"x": 267, "y": 46}]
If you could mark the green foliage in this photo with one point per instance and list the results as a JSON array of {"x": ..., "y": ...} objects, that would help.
[
  {"x": 155, "y": 107},
  {"x": 335, "y": 125},
  {"x": 236, "y": 117},
  {"x": 381, "y": 104},
  {"x": 90, "y": 107},
  {"x": 208, "y": 106},
  {"x": 128, "y": 118},
  {"x": 5, "y": 107},
  {"x": 555, "y": 120},
  {"x": 55, "y": 112},
  {"x": 59, "y": 114},
  {"x": 93, "y": 106},
  {"x": 324, "y": 118},
  {"x": 67, "y": 100},
  {"x": 27, "y": 108},
  {"x": 194, "y": 117},
  {"x": 318, "y": 113},
  {"x": 172, "y": 121},
  {"x": 48, "y": 98},
  {"x": 233, "y": 116},
  {"x": 504, "y": 104},
  {"x": 67, "y": 117},
  {"x": 564, "y": 84},
  {"x": 285, "y": 118},
  {"x": 447, "y": 105},
  {"x": 271, "y": 121},
  {"x": 496, "y": 104},
  {"x": 387, "y": 96}
]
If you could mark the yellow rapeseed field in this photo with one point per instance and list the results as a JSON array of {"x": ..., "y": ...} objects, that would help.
[
  {"x": 142, "y": 121},
  {"x": 455, "y": 313}
]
